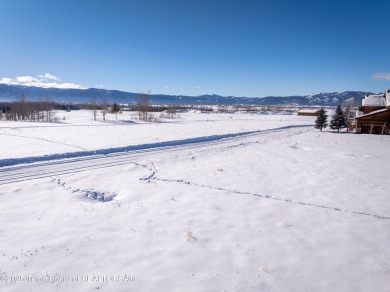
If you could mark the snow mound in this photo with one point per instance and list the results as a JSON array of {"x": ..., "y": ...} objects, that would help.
[
  {"x": 100, "y": 196},
  {"x": 90, "y": 193}
]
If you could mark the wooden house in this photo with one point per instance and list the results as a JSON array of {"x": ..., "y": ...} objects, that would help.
[{"x": 374, "y": 115}]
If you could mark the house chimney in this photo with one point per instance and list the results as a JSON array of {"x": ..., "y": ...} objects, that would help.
[{"x": 387, "y": 98}]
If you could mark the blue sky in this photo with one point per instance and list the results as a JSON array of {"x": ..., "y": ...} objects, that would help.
[{"x": 242, "y": 47}]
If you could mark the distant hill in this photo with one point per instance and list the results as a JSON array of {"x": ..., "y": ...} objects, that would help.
[{"x": 10, "y": 92}]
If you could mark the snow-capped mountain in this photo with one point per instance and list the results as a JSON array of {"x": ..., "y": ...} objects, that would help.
[{"x": 10, "y": 92}]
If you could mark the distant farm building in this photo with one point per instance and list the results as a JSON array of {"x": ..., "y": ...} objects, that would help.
[
  {"x": 373, "y": 117},
  {"x": 308, "y": 112}
]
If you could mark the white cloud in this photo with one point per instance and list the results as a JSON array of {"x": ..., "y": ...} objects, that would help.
[
  {"x": 8, "y": 81},
  {"x": 46, "y": 81},
  {"x": 381, "y": 76},
  {"x": 26, "y": 79},
  {"x": 49, "y": 76}
]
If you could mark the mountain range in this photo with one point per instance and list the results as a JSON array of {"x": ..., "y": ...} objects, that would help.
[{"x": 10, "y": 92}]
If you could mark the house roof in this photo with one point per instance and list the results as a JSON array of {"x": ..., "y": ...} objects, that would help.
[{"x": 374, "y": 113}]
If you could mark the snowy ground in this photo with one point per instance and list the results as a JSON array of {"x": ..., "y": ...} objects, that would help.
[{"x": 256, "y": 202}]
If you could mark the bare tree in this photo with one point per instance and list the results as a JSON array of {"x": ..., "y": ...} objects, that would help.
[
  {"x": 104, "y": 107},
  {"x": 20, "y": 108},
  {"x": 143, "y": 106},
  {"x": 350, "y": 106},
  {"x": 46, "y": 106},
  {"x": 94, "y": 107}
]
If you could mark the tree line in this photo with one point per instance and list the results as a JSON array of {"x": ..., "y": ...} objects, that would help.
[{"x": 21, "y": 109}]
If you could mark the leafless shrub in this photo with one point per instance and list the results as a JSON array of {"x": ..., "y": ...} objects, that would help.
[{"x": 169, "y": 114}]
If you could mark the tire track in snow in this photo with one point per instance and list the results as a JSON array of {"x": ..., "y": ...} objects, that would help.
[
  {"x": 145, "y": 147},
  {"x": 82, "y": 162}
]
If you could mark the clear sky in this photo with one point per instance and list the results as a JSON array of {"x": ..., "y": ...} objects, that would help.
[{"x": 187, "y": 47}]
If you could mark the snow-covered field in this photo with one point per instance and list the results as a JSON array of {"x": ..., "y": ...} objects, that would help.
[{"x": 204, "y": 202}]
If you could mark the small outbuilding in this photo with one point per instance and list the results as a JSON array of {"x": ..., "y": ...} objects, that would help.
[{"x": 308, "y": 112}]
